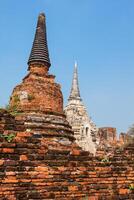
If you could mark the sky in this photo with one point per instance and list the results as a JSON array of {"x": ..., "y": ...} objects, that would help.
[{"x": 99, "y": 34}]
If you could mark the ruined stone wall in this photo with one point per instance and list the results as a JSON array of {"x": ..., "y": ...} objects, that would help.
[
  {"x": 39, "y": 158},
  {"x": 124, "y": 138},
  {"x": 108, "y": 134},
  {"x": 52, "y": 166},
  {"x": 109, "y": 139}
]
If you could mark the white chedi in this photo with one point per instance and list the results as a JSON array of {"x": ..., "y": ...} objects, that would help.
[{"x": 84, "y": 129}]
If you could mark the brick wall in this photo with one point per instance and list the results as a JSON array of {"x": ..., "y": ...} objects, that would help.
[{"x": 48, "y": 166}]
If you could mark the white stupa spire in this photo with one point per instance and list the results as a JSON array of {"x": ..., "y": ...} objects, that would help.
[{"x": 75, "y": 92}]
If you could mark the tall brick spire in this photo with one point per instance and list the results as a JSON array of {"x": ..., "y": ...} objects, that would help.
[
  {"x": 39, "y": 52},
  {"x": 75, "y": 92}
]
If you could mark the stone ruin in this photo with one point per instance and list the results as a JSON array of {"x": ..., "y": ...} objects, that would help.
[
  {"x": 85, "y": 131},
  {"x": 39, "y": 158},
  {"x": 109, "y": 139},
  {"x": 87, "y": 135}
]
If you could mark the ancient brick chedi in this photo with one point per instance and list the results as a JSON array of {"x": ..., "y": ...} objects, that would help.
[
  {"x": 84, "y": 129},
  {"x": 38, "y": 90},
  {"x": 39, "y": 158}
]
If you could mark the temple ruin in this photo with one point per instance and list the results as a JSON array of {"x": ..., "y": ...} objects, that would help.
[
  {"x": 39, "y": 158},
  {"x": 85, "y": 131}
]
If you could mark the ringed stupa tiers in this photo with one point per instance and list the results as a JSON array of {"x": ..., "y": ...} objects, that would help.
[
  {"x": 38, "y": 98},
  {"x": 38, "y": 90},
  {"x": 39, "y": 52},
  {"x": 39, "y": 158}
]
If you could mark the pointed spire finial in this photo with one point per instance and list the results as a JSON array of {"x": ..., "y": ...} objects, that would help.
[
  {"x": 75, "y": 65},
  {"x": 75, "y": 92},
  {"x": 39, "y": 52}
]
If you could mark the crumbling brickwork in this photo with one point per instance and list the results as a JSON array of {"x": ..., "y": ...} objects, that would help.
[
  {"x": 39, "y": 158},
  {"x": 46, "y": 165},
  {"x": 37, "y": 92},
  {"x": 108, "y": 134}
]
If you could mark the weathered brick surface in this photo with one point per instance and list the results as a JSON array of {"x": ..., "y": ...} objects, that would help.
[
  {"x": 37, "y": 92},
  {"x": 107, "y": 135},
  {"x": 43, "y": 161},
  {"x": 38, "y": 156},
  {"x": 54, "y": 167}
]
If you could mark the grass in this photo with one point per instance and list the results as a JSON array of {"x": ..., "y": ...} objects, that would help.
[
  {"x": 30, "y": 97},
  {"x": 105, "y": 160},
  {"x": 131, "y": 187},
  {"x": 8, "y": 137}
]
